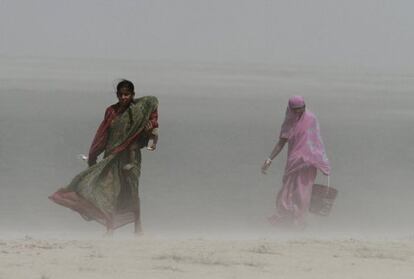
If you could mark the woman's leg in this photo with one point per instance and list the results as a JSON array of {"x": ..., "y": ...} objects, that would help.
[
  {"x": 137, "y": 221},
  {"x": 292, "y": 202},
  {"x": 303, "y": 193},
  {"x": 132, "y": 184},
  {"x": 109, "y": 226}
]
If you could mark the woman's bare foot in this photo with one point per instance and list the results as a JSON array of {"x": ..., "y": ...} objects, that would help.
[
  {"x": 109, "y": 228},
  {"x": 138, "y": 233},
  {"x": 138, "y": 229},
  {"x": 109, "y": 233}
]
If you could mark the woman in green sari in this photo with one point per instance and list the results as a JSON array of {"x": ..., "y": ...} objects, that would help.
[{"x": 107, "y": 191}]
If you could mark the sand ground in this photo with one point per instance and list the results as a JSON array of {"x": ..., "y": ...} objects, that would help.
[{"x": 148, "y": 257}]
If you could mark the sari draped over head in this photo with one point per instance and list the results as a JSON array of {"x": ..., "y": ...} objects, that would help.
[
  {"x": 305, "y": 145},
  {"x": 106, "y": 192},
  {"x": 306, "y": 154}
]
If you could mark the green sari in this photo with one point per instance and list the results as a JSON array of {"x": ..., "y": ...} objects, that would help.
[{"x": 107, "y": 192}]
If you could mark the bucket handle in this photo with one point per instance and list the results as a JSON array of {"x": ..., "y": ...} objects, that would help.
[{"x": 329, "y": 184}]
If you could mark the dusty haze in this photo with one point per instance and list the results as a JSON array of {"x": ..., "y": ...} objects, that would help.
[
  {"x": 218, "y": 123},
  {"x": 223, "y": 71}
]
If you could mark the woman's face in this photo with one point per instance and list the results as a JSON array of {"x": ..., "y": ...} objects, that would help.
[
  {"x": 125, "y": 96},
  {"x": 298, "y": 111}
]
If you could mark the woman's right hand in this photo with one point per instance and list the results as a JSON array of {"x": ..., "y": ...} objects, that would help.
[{"x": 266, "y": 165}]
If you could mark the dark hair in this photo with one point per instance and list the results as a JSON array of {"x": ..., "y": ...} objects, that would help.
[{"x": 125, "y": 84}]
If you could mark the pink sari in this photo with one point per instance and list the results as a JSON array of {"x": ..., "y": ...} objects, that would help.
[{"x": 306, "y": 154}]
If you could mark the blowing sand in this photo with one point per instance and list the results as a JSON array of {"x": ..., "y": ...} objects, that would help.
[
  {"x": 218, "y": 123},
  {"x": 200, "y": 258}
]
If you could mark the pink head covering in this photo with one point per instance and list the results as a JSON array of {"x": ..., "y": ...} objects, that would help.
[
  {"x": 305, "y": 142},
  {"x": 296, "y": 102},
  {"x": 291, "y": 118}
]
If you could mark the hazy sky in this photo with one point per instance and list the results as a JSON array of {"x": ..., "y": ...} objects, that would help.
[{"x": 366, "y": 33}]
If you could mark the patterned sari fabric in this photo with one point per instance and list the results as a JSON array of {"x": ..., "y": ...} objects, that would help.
[{"x": 106, "y": 191}]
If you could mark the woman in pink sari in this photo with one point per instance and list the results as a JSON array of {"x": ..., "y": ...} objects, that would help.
[{"x": 306, "y": 155}]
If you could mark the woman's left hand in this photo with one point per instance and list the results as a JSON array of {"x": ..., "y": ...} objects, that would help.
[
  {"x": 152, "y": 147},
  {"x": 148, "y": 126}
]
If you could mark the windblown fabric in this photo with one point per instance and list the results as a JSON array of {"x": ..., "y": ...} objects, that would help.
[
  {"x": 306, "y": 154},
  {"x": 305, "y": 145},
  {"x": 106, "y": 192}
]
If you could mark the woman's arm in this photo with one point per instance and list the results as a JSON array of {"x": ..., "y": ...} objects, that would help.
[
  {"x": 276, "y": 150},
  {"x": 152, "y": 127},
  {"x": 101, "y": 136},
  {"x": 152, "y": 121}
]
